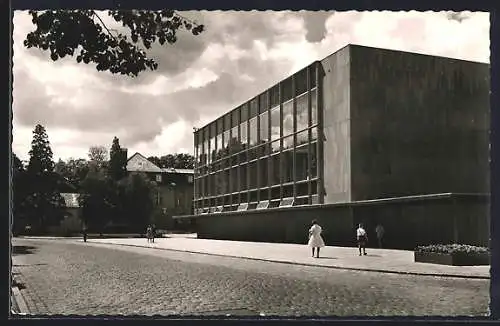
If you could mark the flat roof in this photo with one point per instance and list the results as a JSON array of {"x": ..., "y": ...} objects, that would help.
[{"x": 349, "y": 45}]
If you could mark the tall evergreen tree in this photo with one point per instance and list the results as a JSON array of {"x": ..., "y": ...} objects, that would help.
[
  {"x": 44, "y": 202},
  {"x": 40, "y": 154},
  {"x": 117, "y": 161}
]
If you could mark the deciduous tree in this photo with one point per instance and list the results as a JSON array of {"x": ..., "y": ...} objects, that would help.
[
  {"x": 98, "y": 154},
  {"x": 83, "y": 34}
]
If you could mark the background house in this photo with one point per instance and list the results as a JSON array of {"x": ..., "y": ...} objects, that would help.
[{"x": 174, "y": 194}]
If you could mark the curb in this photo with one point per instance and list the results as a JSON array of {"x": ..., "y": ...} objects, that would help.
[
  {"x": 306, "y": 264},
  {"x": 19, "y": 302}
]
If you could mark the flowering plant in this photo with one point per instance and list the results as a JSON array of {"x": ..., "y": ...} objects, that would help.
[{"x": 453, "y": 249}]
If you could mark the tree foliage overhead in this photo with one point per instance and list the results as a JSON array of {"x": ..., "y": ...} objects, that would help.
[{"x": 84, "y": 34}]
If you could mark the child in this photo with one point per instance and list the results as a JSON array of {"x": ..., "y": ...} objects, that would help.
[{"x": 362, "y": 239}]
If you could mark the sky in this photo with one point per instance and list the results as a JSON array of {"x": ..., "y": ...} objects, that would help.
[{"x": 202, "y": 77}]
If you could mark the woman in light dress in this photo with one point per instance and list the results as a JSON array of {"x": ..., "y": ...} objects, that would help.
[{"x": 315, "y": 240}]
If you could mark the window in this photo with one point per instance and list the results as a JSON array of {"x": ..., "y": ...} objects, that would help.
[
  {"x": 275, "y": 123},
  {"x": 263, "y": 204},
  {"x": 314, "y": 108},
  {"x": 252, "y": 166},
  {"x": 264, "y": 127},
  {"x": 301, "y": 156},
  {"x": 243, "y": 176},
  {"x": 264, "y": 194},
  {"x": 227, "y": 121},
  {"x": 225, "y": 141},
  {"x": 225, "y": 181},
  {"x": 302, "y": 189},
  {"x": 274, "y": 95},
  {"x": 244, "y": 134},
  {"x": 205, "y": 152},
  {"x": 199, "y": 153},
  {"x": 235, "y": 119},
  {"x": 287, "y": 89},
  {"x": 301, "y": 82},
  {"x": 302, "y": 137},
  {"x": 275, "y": 168},
  {"x": 218, "y": 183},
  {"x": 234, "y": 179},
  {"x": 288, "y": 118},
  {"x": 234, "y": 142},
  {"x": 263, "y": 102},
  {"x": 301, "y": 201},
  {"x": 252, "y": 197},
  {"x": 275, "y": 146},
  {"x": 253, "y": 131},
  {"x": 288, "y": 142},
  {"x": 302, "y": 112},
  {"x": 242, "y": 207},
  {"x": 212, "y": 149},
  {"x": 313, "y": 160},
  {"x": 254, "y": 107},
  {"x": 286, "y": 202},
  {"x": 314, "y": 133},
  {"x": 244, "y": 112},
  {"x": 158, "y": 178},
  {"x": 158, "y": 198},
  {"x": 263, "y": 168},
  {"x": 287, "y": 166},
  {"x": 219, "y": 147}
]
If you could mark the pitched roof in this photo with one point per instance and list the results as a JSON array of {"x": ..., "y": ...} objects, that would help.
[{"x": 139, "y": 163}]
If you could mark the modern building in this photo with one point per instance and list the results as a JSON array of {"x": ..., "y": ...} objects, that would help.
[
  {"x": 174, "y": 194},
  {"x": 363, "y": 125}
]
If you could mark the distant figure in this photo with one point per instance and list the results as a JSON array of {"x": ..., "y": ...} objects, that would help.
[
  {"x": 379, "y": 230},
  {"x": 84, "y": 234},
  {"x": 362, "y": 239},
  {"x": 153, "y": 233},
  {"x": 315, "y": 239},
  {"x": 149, "y": 231}
]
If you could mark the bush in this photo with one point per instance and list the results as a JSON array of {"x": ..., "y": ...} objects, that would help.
[{"x": 452, "y": 249}]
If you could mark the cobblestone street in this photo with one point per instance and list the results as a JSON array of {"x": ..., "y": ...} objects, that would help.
[{"x": 64, "y": 277}]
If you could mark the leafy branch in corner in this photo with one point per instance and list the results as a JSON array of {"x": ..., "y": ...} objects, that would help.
[{"x": 82, "y": 33}]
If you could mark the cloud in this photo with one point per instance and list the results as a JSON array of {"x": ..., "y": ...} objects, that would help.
[{"x": 201, "y": 77}]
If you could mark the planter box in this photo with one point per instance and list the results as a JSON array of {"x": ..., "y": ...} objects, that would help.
[{"x": 456, "y": 259}]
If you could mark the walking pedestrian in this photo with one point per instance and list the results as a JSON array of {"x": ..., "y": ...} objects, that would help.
[
  {"x": 148, "y": 233},
  {"x": 315, "y": 240},
  {"x": 379, "y": 230},
  {"x": 84, "y": 234},
  {"x": 362, "y": 239},
  {"x": 153, "y": 233}
]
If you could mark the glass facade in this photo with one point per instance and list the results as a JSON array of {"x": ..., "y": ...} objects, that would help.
[{"x": 262, "y": 154}]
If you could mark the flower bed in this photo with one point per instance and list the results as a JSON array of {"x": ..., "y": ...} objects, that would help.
[{"x": 452, "y": 254}]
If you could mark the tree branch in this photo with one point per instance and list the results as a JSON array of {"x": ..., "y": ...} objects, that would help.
[
  {"x": 187, "y": 19},
  {"x": 103, "y": 25}
]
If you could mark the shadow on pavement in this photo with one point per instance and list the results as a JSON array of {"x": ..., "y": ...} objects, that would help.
[
  {"x": 326, "y": 258},
  {"x": 23, "y": 250}
]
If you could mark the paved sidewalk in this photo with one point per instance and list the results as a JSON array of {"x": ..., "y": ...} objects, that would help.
[{"x": 379, "y": 260}]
